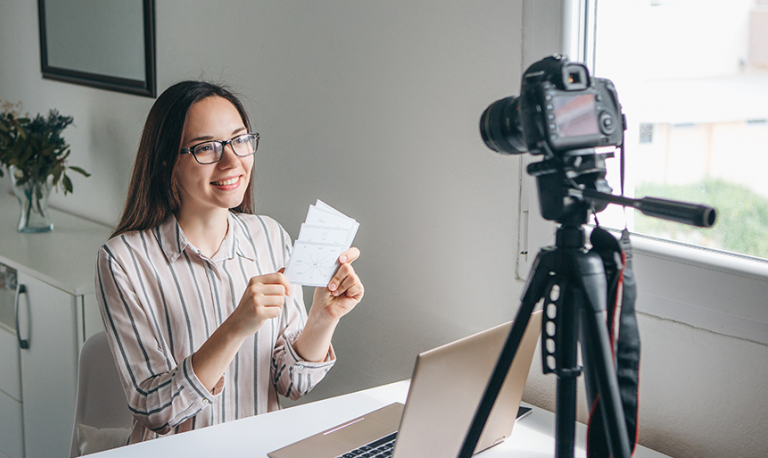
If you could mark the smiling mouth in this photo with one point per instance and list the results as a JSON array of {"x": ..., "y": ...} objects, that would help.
[{"x": 231, "y": 181}]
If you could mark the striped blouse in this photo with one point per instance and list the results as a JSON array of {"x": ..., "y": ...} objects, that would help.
[{"x": 161, "y": 298}]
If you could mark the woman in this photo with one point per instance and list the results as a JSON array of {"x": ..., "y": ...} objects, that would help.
[{"x": 204, "y": 326}]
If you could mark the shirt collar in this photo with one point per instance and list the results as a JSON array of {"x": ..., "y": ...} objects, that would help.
[
  {"x": 171, "y": 238},
  {"x": 173, "y": 241}
]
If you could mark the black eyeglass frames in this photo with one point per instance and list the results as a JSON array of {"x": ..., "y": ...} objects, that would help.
[{"x": 212, "y": 151}]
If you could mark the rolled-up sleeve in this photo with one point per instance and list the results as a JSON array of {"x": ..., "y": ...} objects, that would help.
[
  {"x": 160, "y": 392},
  {"x": 293, "y": 377}
]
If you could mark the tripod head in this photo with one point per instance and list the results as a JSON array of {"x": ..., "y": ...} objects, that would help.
[
  {"x": 573, "y": 186},
  {"x": 557, "y": 176}
]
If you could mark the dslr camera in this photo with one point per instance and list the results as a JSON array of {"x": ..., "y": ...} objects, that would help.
[{"x": 560, "y": 111}]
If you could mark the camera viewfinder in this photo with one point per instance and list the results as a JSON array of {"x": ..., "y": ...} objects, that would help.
[{"x": 576, "y": 78}]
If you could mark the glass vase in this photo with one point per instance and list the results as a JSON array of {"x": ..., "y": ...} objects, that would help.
[{"x": 33, "y": 199}]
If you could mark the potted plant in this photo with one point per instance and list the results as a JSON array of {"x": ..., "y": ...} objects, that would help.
[{"x": 36, "y": 155}]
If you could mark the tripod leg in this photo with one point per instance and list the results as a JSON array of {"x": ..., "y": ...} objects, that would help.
[
  {"x": 567, "y": 372},
  {"x": 600, "y": 370},
  {"x": 534, "y": 290}
]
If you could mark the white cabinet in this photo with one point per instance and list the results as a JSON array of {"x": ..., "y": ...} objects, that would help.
[
  {"x": 57, "y": 312},
  {"x": 11, "y": 431},
  {"x": 11, "y": 427},
  {"x": 48, "y": 366}
]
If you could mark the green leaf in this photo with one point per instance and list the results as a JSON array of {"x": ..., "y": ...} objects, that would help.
[
  {"x": 79, "y": 170},
  {"x": 67, "y": 184},
  {"x": 57, "y": 171}
]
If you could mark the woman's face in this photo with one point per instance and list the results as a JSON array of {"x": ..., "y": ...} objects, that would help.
[{"x": 221, "y": 185}]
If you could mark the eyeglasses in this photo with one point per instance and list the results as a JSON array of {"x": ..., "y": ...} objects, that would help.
[{"x": 213, "y": 150}]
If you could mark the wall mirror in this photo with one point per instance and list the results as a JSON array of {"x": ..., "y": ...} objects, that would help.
[{"x": 108, "y": 44}]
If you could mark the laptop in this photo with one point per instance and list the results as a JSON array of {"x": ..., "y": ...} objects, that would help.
[{"x": 446, "y": 387}]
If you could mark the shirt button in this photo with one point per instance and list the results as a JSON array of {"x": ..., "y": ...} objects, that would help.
[{"x": 299, "y": 366}]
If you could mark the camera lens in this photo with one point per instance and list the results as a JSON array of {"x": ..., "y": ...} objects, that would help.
[{"x": 500, "y": 127}]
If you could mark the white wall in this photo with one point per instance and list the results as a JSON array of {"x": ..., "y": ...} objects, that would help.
[{"x": 373, "y": 107}]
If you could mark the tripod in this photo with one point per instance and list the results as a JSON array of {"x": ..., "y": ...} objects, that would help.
[{"x": 572, "y": 281}]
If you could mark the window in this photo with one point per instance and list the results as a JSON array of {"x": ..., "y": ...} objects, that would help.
[{"x": 695, "y": 94}]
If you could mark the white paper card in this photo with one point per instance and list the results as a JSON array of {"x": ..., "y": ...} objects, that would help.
[
  {"x": 326, "y": 234},
  {"x": 322, "y": 205},
  {"x": 323, "y": 234},
  {"x": 316, "y": 216},
  {"x": 313, "y": 264}
]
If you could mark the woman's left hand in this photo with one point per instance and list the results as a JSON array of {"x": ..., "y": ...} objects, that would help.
[{"x": 343, "y": 292}]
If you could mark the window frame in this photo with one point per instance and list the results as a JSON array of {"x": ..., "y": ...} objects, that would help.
[{"x": 720, "y": 292}]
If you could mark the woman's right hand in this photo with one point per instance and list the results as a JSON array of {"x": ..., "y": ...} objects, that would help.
[{"x": 262, "y": 300}]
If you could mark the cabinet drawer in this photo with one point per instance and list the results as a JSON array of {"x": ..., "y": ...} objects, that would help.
[
  {"x": 10, "y": 380},
  {"x": 11, "y": 438}
]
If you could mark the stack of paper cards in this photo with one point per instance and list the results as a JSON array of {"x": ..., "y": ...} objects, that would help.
[{"x": 324, "y": 236}]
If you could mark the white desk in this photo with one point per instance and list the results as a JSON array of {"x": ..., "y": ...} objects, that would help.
[{"x": 254, "y": 437}]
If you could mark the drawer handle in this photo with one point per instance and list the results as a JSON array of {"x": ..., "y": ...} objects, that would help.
[{"x": 20, "y": 289}]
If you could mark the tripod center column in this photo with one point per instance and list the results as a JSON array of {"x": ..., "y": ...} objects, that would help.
[{"x": 570, "y": 237}]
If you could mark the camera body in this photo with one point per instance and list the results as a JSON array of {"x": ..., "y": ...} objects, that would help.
[{"x": 560, "y": 109}]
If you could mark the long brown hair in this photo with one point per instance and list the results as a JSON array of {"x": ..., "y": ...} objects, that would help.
[{"x": 153, "y": 191}]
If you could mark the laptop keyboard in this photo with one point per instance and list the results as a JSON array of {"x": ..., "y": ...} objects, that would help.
[{"x": 381, "y": 448}]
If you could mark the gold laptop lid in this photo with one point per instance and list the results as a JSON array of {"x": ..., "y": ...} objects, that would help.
[{"x": 447, "y": 385}]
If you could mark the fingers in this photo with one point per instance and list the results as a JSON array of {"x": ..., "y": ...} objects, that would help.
[
  {"x": 352, "y": 287},
  {"x": 349, "y": 256},
  {"x": 275, "y": 279},
  {"x": 346, "y": 259},
  {"x": 271, "y": 294},
  {"x": 346, "y": 281},
  {"x": 265, "y": 295},
  {"x": 263, "y": 301}
]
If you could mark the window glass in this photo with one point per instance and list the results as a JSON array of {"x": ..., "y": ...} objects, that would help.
[{"x": 692, "y": 76}]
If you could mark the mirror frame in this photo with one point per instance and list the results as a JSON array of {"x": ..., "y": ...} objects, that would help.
[{"x": 146, "y": 87}]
